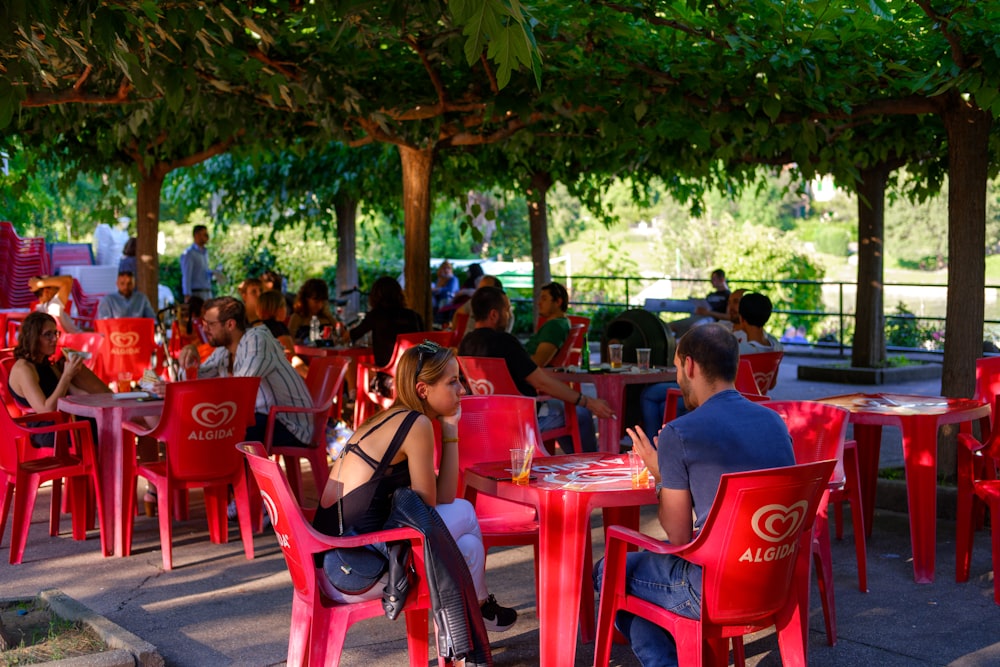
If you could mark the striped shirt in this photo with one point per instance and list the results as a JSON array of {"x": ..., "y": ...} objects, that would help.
[{"x": 259, "y": 354}]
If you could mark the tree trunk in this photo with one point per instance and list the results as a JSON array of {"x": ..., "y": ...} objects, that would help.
[
  {"x": 868, "y": 349},
  {"x": 968, "y": 130},
  {"x": 346, "y": 209},
  {"x": 147, "y": 260},
  {"x": 417, "y": 167},
  {"x": 538, "y": 219}
]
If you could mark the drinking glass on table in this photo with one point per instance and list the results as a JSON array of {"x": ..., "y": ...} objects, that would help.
[
  {"x": 639, "y": 471},
  {"x": 520, "y": 465},
  {"x": 125, "y": 381},
  {"x": 615, "y": 355},
  {"x": 642, "y": 358}
]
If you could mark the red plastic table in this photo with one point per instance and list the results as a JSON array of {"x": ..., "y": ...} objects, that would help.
[
  {"x": 918, "y": 418},
  {"x": 564, "y": 490},
  {"x": 115, "y": 466},
  {"x": 610, "y": 386}
]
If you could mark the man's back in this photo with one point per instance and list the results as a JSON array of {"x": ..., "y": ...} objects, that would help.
[
  {"x": 725, "y": 434},
  {"x": 485, "y": 342}
]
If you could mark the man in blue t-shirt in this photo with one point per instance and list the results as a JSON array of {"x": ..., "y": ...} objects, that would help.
[{"x": 722, "y": 432}]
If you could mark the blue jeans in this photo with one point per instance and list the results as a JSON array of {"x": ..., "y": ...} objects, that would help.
[
  {"x": 556, "y": 418},
  {"x": 668, "y": 581},
  {"x": 653, "y": 401}
]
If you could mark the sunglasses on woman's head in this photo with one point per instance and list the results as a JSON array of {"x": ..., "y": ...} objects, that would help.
[{"x": 425, "y": 350}]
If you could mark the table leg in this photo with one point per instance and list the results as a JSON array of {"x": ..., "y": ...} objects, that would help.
[
  {"x": 563, "y": 527},
  {"x": 613, "y": 393},
  {"x": 869, "y": 438},
  {"x": 920, "y": 457},
  {"x": 109, "y": 461}
]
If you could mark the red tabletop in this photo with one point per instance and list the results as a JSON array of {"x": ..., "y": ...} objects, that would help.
[
  {"x": 114, "y": 463},
  {"x": 564, "y": 490},
  {"x": 610, "y": 386},
  {"x": 918, "y": 418}
]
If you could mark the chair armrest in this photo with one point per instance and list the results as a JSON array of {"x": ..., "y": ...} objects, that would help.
[
  {"x": 54, "y": 416},
  {"x": 86, "y": 441},
  {"x": 634, "y": 537},
  {"x": 971, "y": 443},
  {"x": 137, "y": 428}
]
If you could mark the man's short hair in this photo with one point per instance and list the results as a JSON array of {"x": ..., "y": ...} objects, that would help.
[
  {"x": 718, "y": 273},
  {"x": 229, "y": 309},
  {"x": 126, "y": 273},
  {"x": 714, "y": 348},
  {"x": 484, "y": 300},
  {"x": 557, "y": 291},
  {"x": 198, "y": 228},
  {"x": 755, "y": 309}
]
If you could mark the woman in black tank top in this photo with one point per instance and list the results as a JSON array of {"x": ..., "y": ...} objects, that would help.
[
  {"x": 35, "y": 381},
  {"x": 395, "y": 448}
]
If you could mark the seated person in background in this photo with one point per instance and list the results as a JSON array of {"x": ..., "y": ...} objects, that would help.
[
  {"x": 250, "y": 290},
  {"x": 242, "y": 352},
  {"x": 53, "y": 293},
  {"x": 272, "y": 312},
  {"x": 447, "y": 312},
  {"x": 127, "y": 262},
  {"x": 36, "y": 381},
  {"x": 553, "y": 301},
  {"x": 387, "y": 317},
  {"x": 755, "y": 311},
  {"x": 445, "y": 288},
  {"x": 398, "y": 446},
  {"x": 272, "y": 280},
  {"x": 126, "y": 302},
  {"x": 723, "y": 432},
  {"x": 489, "y": 339},
  {"x": 313, "y": 299},
  {"x": 466, "y": 308},
  {"x": 714, "y": 308},
  {"x": 733, "y": 309}
]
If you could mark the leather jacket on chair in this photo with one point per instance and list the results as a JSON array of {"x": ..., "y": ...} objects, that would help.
[{"x": 461, "y": 632}]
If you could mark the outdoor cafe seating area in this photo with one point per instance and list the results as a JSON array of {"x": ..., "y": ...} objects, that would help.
[{"x": 542, "y": 502}]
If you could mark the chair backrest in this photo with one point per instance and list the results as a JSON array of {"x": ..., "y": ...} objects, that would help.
[
  {"x": 202, "y": 422},
  {"x": 577, "y": 352},
  {"x": 988, "y": 379},
  {"x": 405, "y": 341},
  {"x": 459, "y": 324},
  {"x": 15, "y": 410},
  {"x": 290, "y": 526},
  {"x": 128, "y": 346},
  {"x": 765, "y": 369},
  {"x": 751, "y": 538},
  {"x": 487, "y": 375},
  {"x": 572, "y": 342},
  {"x": 745, "y": 382},
  {"x": 325, "y": 381},
  {"x": 489, "y": 428},
  {"x": 818, "y": 431},
  {"x": 84, "y": 342}
]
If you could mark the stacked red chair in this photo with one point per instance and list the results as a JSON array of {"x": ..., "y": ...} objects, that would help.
[{"x": 21, "y": 258}]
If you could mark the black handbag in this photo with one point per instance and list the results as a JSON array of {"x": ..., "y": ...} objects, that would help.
[{"x": 354, "y": 570}]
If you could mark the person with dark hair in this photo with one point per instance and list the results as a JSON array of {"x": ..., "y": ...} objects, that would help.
[
  {"x": 723, "y": 432},
  {"x": 395, "y": 449},
  {"x": 242, "y": 352},
  {"x": 53, "y": 293},
  {"x": 490, "y": 339},
  {"x": 553, "y": 302},
  {"x": 466, "y": 308},
  {"x": 35, "y": 381},
  {"x": 387, "y": 317},
  {"x": 313, "y": 300},
  {"x": 128, "y": 262},
  {"x": 755, "y": 311},
  {"x": 712, "y": 309},
  {"x": 126, "y": 302},
  {"x": 271, "y": 309},
  {"x": 196, "y": 277}
]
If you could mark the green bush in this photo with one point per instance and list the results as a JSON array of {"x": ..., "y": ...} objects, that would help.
[{"x": 833, "y": 240}]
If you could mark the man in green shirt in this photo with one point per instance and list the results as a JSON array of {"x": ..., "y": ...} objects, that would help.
[{"x": 553, "y": 301}]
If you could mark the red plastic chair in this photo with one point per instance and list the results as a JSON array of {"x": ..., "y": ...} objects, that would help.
[
  {"x": 752, "y": 567},
  {"x": 325, "y": 380},
  {"x": 577, "y": 351},
  {"x": 23, "y": 469},
  {"x": 84, "y": 342},
  {"x": 765, "y": 369},
  {"x": 489, "y": 375},
  {"x": 978, "y": 486},
  {"x": 128, "y": 347},
  {"x": 368, "y": 401},
  {"x": 818, "y": 432},
  {"x": 13, "y": 407},
  {"x": 564, "y": 354},
  {"x": 458, "y": 326},
  {"x": 319, "y": 625},
  {"x": 202, "y": 422}
]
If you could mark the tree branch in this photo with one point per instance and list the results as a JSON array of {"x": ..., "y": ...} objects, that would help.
[
  {"x": 957, "y": 54},
  {"x": 432, "y": 73},
  {"x": 494, "y": 88}
]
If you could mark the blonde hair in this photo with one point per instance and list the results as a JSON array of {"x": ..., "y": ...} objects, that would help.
[
  {"x": 433, "y": 369},
  {"x": 270, "y": 303}
]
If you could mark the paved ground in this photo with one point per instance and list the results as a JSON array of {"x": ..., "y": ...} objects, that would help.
[{"x": 216, "y": 608}]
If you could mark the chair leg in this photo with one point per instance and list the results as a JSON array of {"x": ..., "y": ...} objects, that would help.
[
  {"x": 995, "y": 529},
  {"x": 77, "y": 488},
  {"x": 26, "y": 489},
  {"x": 8, "y": 496},
  {"x": 852, "y": 487},
  {"x": 166, "y": 528},
  {"x": 242, "y": 492},
  {"x": 416, "y": 636},
  {"x": 216, "y": 500},
  {"x": 56, "y": 509},
  {"x": 966, "y": 501}
]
